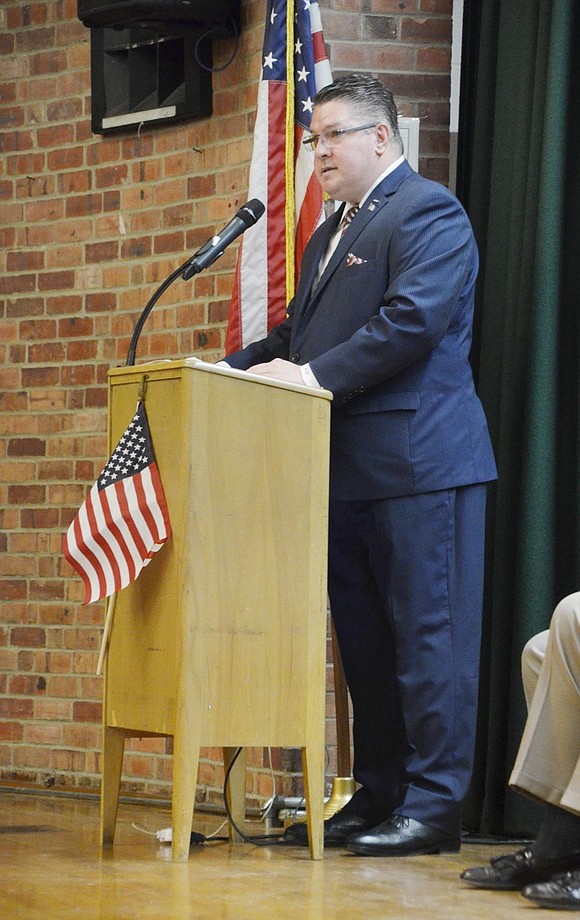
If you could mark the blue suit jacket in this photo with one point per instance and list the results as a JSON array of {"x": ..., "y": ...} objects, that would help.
[{"x": 388, "y": 332}]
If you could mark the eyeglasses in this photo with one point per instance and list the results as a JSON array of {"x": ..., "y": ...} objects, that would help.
[{"x": 333, "y": 137}]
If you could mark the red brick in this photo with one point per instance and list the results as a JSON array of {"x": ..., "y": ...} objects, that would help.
[
  {"x": 112, "y": 175},
  {"x": 49, "y": 210},
  {"x": 7, "y": 47},
  {"x": 7, "y": 237},
  {"x": 111, "y": 201},
  {"x": 49, "y": 62},
  {"x": 77, "y": 375},
  {"x": 11, "y": 118},
  {"x": 95, "y": 397},
  {"x": 40, "y": 376},
  {"x": 28, "y": 14},
  {"x": 16, "y": 708},
  {"x": 26, "y": 447},
  {"x": 87, "y": 712},
  {"x": 79, "y": 205},
  {"x": 11, "y": 731},
  {"x": 429, "y": 29},
  {"x": 24, "y": 261},
  {"x": 29, "y": 494},
  {"x": 25, "y": 164},
  {"x": 75, "y": 326},
  {"x": 34, "y": 39},
  {"x": 64, "y": 110},
  {"x": 39, "y": 518},
  {"x": 136, "y": 248},
  {"x": 436, "y": 59},
  {"x": 13, "y": 589},
  {"x": 24, "y": 685},
  {"x": 101, "y": 252},
  {"x": 69, "y": 158},
  {"x": 81, "y": 350},
  {"x": 16, "y": 140},
  {"x": 437, "y": 7},
  {"x": 56, "y": 281},
  {"x": 17, "y": 284},
  {"x": 169, "y": 242},
  {"x": 46, "y": 590},
  {"x": 28, "y": 637}
]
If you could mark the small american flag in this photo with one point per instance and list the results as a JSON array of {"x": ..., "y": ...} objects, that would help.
[
  {"x": 281, "y": 171},
  {"x": 123, "y": 521}
]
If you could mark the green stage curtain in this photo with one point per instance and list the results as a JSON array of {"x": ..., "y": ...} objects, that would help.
[{"x": 518, "y": 177}]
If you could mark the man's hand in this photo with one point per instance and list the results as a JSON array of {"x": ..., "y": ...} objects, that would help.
[{"x": 279, "y": 370}]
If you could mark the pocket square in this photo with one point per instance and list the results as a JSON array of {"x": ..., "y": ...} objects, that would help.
[{"x": 351, "y": 259}]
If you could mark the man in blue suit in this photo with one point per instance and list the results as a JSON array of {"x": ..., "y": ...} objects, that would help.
[{"x": 382, "y": 318}]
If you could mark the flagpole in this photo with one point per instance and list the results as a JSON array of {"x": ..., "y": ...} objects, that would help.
[
  {"x": 290, "y": 142},
  {"x": 106, "y": 632}
]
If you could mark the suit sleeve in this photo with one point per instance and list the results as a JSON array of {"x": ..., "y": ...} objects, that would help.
[{"x": 275, "y": 345}]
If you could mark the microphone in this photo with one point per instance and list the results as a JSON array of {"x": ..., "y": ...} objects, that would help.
[{"x": 246, "y": 217}]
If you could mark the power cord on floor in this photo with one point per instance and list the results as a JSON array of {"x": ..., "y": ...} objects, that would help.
[
  {"x": 259, "y": 840},
  {"x": 166, "y": 834}
]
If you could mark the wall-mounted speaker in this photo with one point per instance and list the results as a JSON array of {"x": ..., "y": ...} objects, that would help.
[
  {"x": 129, "y": 13},
  {"x": 139, "y": 76},
  {"x": 151, "y": 60}
]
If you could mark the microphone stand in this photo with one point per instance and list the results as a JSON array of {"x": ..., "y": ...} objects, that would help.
[{"x": 151, "y": 303}]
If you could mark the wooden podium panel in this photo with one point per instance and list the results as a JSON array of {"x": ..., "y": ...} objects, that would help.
[{"x": 221, "y": 641}]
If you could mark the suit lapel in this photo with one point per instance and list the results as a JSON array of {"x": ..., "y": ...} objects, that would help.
[
  {"x": 309, "y": 268},
  {"x": 369, "y": 210},
  {"x": 377, "y": 200}
]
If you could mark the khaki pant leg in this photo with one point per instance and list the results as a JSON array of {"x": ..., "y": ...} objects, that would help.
[
  {"x": 547, "y": 766},
  {"x": 532, "y": 660}
]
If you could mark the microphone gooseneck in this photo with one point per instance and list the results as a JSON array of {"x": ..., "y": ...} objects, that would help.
[{"x": 246, "y": 217}]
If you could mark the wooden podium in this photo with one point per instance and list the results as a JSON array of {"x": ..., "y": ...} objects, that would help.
[{"x": 221, "y": 641}]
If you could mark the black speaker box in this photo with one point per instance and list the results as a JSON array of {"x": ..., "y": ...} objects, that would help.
[
  {"x": 138, "y": 75},
  {"x": 125, "y": 14}
]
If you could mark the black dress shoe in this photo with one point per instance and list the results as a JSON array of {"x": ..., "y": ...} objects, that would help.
[
  {"x": 336, "y": 830},
  {"x": 402, "y": 836},
  {"x": 560, "y": 893},
  {"x": 513, "y": 871}
]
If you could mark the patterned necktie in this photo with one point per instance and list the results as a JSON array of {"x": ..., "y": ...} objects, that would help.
[
  {"x": 348, "y": 217},
  {"x": 333, "y": 243}
]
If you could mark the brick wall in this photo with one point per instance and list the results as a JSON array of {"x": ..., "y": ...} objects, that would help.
[{"x": 89, "y": 227}]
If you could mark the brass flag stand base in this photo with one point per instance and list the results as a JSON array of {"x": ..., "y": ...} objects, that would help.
[{"x": 343, "y": 789}]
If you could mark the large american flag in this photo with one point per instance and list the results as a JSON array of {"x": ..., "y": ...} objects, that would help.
[
  {"x": 123, "y": 521},
  {"x": 281, "y": 171}
]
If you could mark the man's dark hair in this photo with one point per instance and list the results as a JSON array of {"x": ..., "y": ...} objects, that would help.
[{"x": 368, "y": 96}]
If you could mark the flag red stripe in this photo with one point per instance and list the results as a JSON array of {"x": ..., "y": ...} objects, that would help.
[
  {"x": 145, "y": 509},
  {"x": 276, "y": 254},
  {"x": 91, "y": 560},
  {"x": 318, "y": 47},
  {"x": 104, "y": 535},
  {"x": 162, "y": 528},
  {"x": 81, "y": 556},
  {"x": 108, "y": 567},
  {"x": 234, "y": 330},
  {"x": 117, "y": 535},
  {"x": 127, "y": 514},
  {"x": 308, "y": 219}
]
